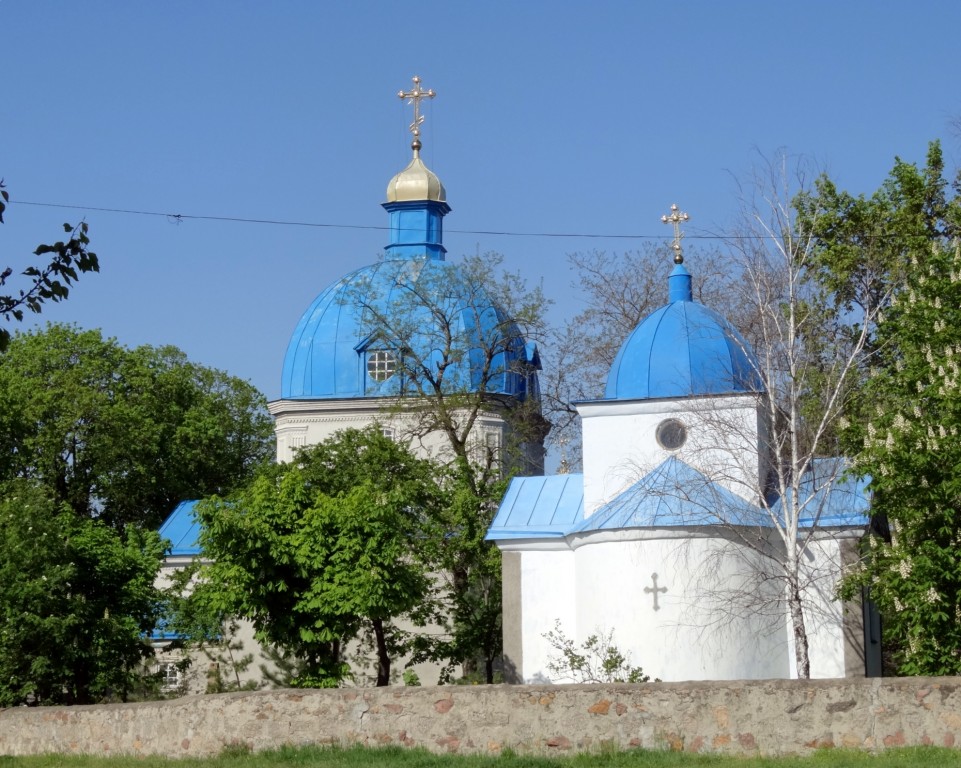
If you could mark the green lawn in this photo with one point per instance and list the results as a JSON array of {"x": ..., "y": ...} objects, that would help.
[{"x": 315, "y": 757}]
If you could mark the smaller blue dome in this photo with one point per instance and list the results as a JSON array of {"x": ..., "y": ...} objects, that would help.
[{"x": 683, "y": 349}]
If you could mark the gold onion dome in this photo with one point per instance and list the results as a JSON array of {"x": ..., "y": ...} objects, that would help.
[{"x": 416, "y": 182}]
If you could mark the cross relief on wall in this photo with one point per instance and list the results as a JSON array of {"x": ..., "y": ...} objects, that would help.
[{"x": 654, "y": 590}]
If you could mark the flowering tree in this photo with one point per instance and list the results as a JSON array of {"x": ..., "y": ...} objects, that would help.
[
  {"x": 897, "y": 250},
  {"x": 911, "y": 450}
]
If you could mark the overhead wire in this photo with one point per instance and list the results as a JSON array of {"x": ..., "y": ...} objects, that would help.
[{"x": 177, "y": 217}]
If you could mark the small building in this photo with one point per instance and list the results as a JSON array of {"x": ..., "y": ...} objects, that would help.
[{"x": 668, "y": 542}]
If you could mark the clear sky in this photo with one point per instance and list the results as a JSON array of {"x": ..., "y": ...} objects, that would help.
[{"x": 551, "y": 118}]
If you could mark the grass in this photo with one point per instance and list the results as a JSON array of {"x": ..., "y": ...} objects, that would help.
[{"x": 359, "y": 757}]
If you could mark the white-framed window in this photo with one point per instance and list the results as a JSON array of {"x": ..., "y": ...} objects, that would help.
[
  {"x": 381, "y": 364},
  {"x": 170, "y": 675}
]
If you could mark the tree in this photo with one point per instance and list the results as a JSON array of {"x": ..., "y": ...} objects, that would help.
[
  {"x": 123, "y": 435},
  {"x": 76, "y": 601},
  {"x": 768, "y": 447},
  {"x": 462, "y": 333},
  {"x": 901, "y": 427},
  {"x": 911, "y": 452},
  {"x": 311, "y": 551},
  {"x": 50, "y": 282}
]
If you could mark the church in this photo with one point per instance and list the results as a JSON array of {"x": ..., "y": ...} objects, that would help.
[
  {"x": 378, "y": 343},
  {"x": 672, "y": 541},
  {"x": 670, "y": 538}
]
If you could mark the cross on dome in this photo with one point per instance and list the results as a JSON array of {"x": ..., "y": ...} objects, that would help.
[
  {"x": 414, "y": 96},
  {"x": 675, "y": 218}
]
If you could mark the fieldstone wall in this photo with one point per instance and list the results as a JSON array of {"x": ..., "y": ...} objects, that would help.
[{"x": 766, "y": 717}]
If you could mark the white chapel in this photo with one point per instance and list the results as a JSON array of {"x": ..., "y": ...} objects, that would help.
[{"x": 657, "y": 543}]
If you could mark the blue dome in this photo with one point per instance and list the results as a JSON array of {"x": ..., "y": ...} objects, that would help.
[
  {"x": 683, "y": 349},
  {"x": 332, "y": 351}
]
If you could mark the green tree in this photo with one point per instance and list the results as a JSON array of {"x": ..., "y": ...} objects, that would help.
[
  {"x": 123, "y": 435},
  {"x": 461, "y": 333},
  {"x": 863, "y": 246},
  {"x": 312, "y": 551},
  {"x": 76, "y": 600},
  {"x": 897, "y": 249},
  {"x": 49, "y": 282},
  {"x": 911, "y": 449}
]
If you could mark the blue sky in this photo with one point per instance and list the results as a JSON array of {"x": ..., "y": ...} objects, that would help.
[{"x": 551, "y": 117}]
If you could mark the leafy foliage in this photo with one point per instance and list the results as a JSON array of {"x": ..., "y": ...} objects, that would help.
[
  {"x": 124, "y": 435},
  {"x": 75, "y": 601},
  {"x": 311, "y": 550},
  {"x": 911, "y": 450},
  {"x": 48, "y": 282},
  {"x": 596, "y": 660},
  {"x": 898, "y": 248},
  {"x": 461, "y": 331}
]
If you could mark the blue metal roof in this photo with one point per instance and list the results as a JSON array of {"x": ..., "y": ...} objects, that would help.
[
  {"x": 183, "y": 530},
  {"x": 326, "y": 354},
  {"x": 847, "y": 503},
  {"x": 536, "y": 507},
  {"x": 673, "y": 494},
  {"x": 680, "y": 350}
]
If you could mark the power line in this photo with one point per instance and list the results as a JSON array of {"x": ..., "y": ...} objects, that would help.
[{"x": 177, "y": 217}]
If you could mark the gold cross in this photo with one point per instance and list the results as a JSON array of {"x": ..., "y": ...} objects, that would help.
[
  {"x": 676, "y": 218},
  {"x": 414, "y": 97}
]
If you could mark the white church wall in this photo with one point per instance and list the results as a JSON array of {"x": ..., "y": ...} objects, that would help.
[
  {"x": 300, "y": 423},
  {"x": 689, "y": 636},
  {"x": 547, "y": 590},
  {"x": 607, "y": 586},
  {"x": 824, "y": 622},
  {"x": 620, "y": 444}
]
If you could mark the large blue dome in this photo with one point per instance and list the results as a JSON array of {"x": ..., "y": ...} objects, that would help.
[
  {"x": 333, "y": 351},
  {"x": 683, "y": 349}
]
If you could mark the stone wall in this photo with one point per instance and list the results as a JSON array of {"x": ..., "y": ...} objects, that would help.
[{"x": 767, "y": 717}]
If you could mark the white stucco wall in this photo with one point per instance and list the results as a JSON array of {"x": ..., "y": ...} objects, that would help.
[
  {"x": 299, "y": 423},
  {"x": 548, "y": 582},
  {"x": 620, "y": 446},
  {"x": 823, "y": 615},
  {"x": 694, "y": 634}
]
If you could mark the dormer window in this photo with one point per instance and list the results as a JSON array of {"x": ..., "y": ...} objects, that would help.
[{"x": 381, "y": 364}]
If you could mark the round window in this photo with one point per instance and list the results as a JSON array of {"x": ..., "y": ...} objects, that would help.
[
  {"x": 671, "y": 434},
  {"x": 381, "y": 365}
]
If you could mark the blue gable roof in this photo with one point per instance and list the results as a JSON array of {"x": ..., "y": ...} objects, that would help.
[
  {"x": 672, "y": 495},
  {"x": 536, "y": 507},
  {"x": 183, "y": 530},
  {"x": 847, "y": 503}
]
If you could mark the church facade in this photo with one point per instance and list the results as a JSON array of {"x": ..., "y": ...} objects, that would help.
[{"x": 671, "y": 543}]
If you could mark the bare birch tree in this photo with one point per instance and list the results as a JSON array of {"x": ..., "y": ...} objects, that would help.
[{"x": 810, "y": 356}]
